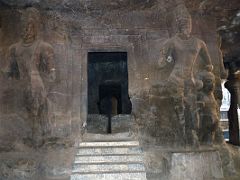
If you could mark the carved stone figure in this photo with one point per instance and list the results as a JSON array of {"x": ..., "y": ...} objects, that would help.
[
  {"x": 181, "y": 52},
  {"x": 31, "y": 62},
  {"x": 209, "y": 116}
]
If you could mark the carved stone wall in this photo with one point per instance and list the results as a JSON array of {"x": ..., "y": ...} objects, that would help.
[
  {"x": 75, "y": 33},
  {"x": 139, "y": 29},
  {"x": 74, "y": 28}
]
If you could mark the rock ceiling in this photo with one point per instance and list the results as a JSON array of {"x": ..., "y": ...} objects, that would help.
[{"x": 227, "y": 13}]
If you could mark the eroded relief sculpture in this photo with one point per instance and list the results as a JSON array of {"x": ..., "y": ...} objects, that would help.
[
  {"x": 209, "y": 130},
  {"x": 185, "y": 56},
  {"x": 31, "y": 62}
]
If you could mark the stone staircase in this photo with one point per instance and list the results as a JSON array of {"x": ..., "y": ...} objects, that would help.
[{"x": 108, "y": 157}]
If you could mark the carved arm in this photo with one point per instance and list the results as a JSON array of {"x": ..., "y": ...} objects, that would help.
[
  {"x": 205, "y": 57},
  {"x": 13, "y": 71},
  {"x": 48, "y": 56},
  {"x": 166, "y": 56}
]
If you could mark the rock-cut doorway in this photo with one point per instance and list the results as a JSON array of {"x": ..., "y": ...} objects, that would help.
[{"x": 109, "y": 106}]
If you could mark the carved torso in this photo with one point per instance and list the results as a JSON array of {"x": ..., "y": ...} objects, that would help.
[
  {"x": 29, "y": 63},
  {"x": 184, "y": 54},
  {"x": 29, "y": 58},
  {"x": 24, "y": 56}
]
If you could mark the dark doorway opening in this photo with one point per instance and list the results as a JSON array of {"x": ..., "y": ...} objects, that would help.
[
  {"x": 108, "y": 75},
  {"x": 107, "y": 88}
]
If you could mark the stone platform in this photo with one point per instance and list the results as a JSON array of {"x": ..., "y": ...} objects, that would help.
[
  {"x": 97, "y": 123},
  {"x": 196, "y": 165},
  {"x": 172, "y": 164}
]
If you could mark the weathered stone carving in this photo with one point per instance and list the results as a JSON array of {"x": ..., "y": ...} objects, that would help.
[
  {"x": 209, "y": 116},
  {"x": 178, "y": 93},
  {"x": 31, "y": 62}
]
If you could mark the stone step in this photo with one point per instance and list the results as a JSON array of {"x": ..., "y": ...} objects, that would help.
[
  {"x": 110, "y": 176},
  {"x": 108, "y": 151},
  {"x": 107, "y": 137},
  {"x": 99, "y": 168},
  {"x": 109, "y": 159},
  {"x": 109, "y": 144}
]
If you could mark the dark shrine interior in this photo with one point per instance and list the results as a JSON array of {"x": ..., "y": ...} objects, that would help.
[{"x": 108, "y": 77}]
